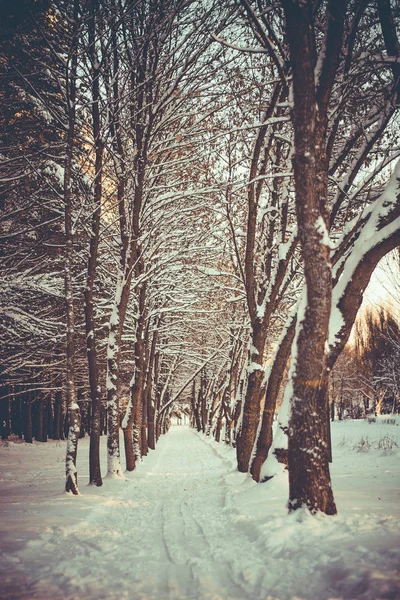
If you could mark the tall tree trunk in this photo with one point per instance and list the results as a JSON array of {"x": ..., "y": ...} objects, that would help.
[
  {"x": 309, "y": 478},
  {"x": 83, "y": 408},
  {"x": 135, "y": 413},
  {"x": 151, "y": 414},
  {"x": 160, "y": 429},
  {"x": 203, "y": 401},
  {"x": 94, "y": 448},
  {"x": 237, "y": 411},
  {"x": 258, "y": 298},
  {"x": 74, "y": 425},
  {"x": 122, "y": 291},
  {"x": 103, "y": 420},
  {"x": 228, "y": 426},
  {"x": 193, "y": 405},
  {"x": 113, "y": 358},
  {"x": 221, "y": 410},
  {"x": 128, "y": 444},
  {"x": 250, "y": 413},
  {"x": 151, "y": 438},
  {"x": 144, "y": 447},
  {"x": 151, "y": 370},
  {"x": 73, "y": 408}
]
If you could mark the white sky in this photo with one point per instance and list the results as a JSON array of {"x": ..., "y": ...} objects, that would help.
[{"x": 384, "y": 287}]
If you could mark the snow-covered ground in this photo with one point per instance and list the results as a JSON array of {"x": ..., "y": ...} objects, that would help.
[{"x": 187, "y": 525}]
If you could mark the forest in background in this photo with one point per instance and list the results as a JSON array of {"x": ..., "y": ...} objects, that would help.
[{"x": 193, "y": 195}]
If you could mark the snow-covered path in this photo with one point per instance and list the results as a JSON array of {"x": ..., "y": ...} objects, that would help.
[
  {"x": 186, "y": 525},
  {"x": 172, "y": 537},
  {"x": 168, "y": 534},
  {"x": 187, "y": 543}
]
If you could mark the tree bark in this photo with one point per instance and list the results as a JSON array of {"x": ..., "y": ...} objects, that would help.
[
  {"x": 74, "y": 425},
  {"x": 128, "y": 444},
  {"x": 122, "y": 292},
  {"x": 309, "y": 477},
  {"x": 94, "y": 449},
  {"x": 73, "y": 408},
  {"x": 151, "y": 437},
  {"x": 135, "y": 416},
  {"x": 151, "y": 415},
  {"x": 275, "y": 378},
  {"x": 151, "y": 368},
  {"x": 144, "y": 447}
]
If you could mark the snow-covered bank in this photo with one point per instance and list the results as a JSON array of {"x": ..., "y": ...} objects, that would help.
[
  {"x": 187, "y": 525},
  {"x": 354, "y": 555}
]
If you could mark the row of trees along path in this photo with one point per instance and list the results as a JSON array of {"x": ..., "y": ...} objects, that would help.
[{"x": 195, "y": 198}]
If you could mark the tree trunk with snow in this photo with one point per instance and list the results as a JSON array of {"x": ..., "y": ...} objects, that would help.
[
  {"x": 220, "y": 412},
  {"x": 73, "y": 408},
  {"x": 151, "y": 434},
  {"x": 74, "y": 425},
  {"x": 195, "y": 411},
  {"x": 309, "y": 477},
  {"x": 151, "y": 414},
  {"x": 126, "y": 257},
  {"x": 147, "y": 368},
  {"x": 135, "y": 410},
  {"x": 144, "y": 446},
  {"x": 94, "y": 450},
  {"x": 262, "y": 296},
  {"x": 275, "y": 377},
  {"x": 152, "y": 368},
  {"x": 250, "y": 413},
  {"x": 113, "y": 357}
]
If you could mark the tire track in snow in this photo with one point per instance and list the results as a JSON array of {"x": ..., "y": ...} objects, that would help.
[{"x": 206, "y": 507}]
